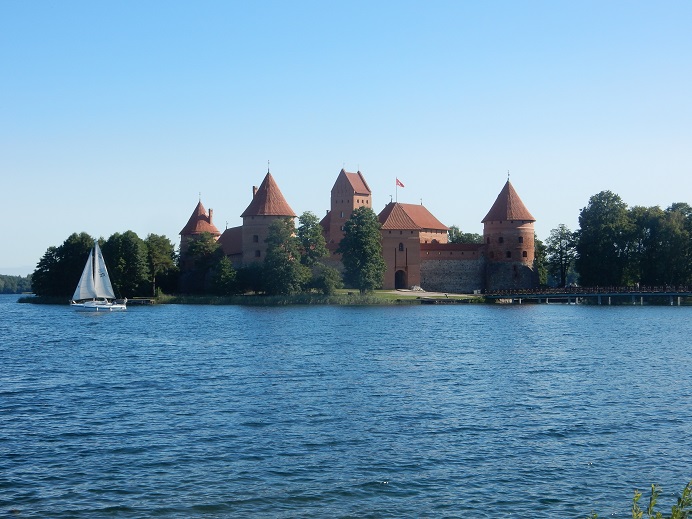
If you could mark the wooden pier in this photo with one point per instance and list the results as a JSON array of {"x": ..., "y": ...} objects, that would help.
[{"x": 672, "y": 296}]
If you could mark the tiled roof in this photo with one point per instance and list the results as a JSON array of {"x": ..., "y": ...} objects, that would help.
[
  {"x": 408, "y": 217},
  {"x": 199, "y": 222},
  {"x": 508, "y": 206},
  {"x": 325, "y": 221},
  {"x": 357, "y": 181},
  {"x": 231, "y": 241},
  {"x": 268, "y": 200}
]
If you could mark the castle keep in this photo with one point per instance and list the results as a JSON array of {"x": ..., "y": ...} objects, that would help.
[{"x": 415, "y": 244}]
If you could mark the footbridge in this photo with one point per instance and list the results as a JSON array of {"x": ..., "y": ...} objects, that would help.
[{"x": 595, "y": 295}]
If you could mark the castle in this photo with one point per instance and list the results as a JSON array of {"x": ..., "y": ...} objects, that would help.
[{"x": 415, "y": 244}]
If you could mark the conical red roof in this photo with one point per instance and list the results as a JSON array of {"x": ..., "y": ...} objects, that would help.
[
  {"x": 268, "y": 200},
  {"x": 199, "y": 222},
  {"x": 508, "y": 206}
]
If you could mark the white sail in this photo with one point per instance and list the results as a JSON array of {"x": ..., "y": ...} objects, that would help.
[
  {"x": 85, "y": 288},
  {"x": 102, "y": 281}
]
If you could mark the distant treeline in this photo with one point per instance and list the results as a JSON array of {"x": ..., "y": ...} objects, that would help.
[{"x": 14, "y": 284}]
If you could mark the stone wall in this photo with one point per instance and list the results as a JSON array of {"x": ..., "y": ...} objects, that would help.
[
  {"x": 456, "y": 276},
  {"x": 508, "y": 276}
]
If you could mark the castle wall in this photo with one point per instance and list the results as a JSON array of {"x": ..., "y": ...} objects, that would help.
[
  {"x": 509, "y": 276},
  {"x": 433, "y": 236},
  {"x": 462, "y": 276}
]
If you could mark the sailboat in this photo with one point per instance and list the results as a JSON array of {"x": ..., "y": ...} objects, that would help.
[{"x": 94, "y": 292}]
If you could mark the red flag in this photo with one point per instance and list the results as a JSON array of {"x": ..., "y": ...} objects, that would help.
[{"x": 399, "y": 183}]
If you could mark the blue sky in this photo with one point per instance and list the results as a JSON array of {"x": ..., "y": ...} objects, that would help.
[{"x": 114, "y": 116}]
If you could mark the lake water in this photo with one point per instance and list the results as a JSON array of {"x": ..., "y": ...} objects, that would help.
[{"x": 547, "y": 411}]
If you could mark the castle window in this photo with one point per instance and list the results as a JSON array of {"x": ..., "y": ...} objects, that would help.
[
  {"x": 521, "y": 239},
  {"x": 257, "y": 254},
  {"x": 488, "y": 239},
  {"x": 500, "y": 240},
  {"x": 401, "y": 232},
  {"x": 255, "y": 238},
  {"x": 509, "y": 253},
  {"x": 342, "y": 214},
  {"x": 524, "y": 254},
  {"x": 401, "y": 247}
]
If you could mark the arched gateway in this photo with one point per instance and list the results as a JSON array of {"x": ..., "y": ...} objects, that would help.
[{"x": 400, "y": 279}]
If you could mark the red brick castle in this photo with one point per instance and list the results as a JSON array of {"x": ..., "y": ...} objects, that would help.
[{"x": 415, "y": 244}]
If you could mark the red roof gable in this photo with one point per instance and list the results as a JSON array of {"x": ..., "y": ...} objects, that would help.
[
  {"x": 409, "y": 217},
  {"x": 268, "y": 200},
  {"x": 357, "y": 181},
  {"x": 508, "y": 206},
  {"x": 231, "y": 241},
  {"x": 200, "y": 222}
]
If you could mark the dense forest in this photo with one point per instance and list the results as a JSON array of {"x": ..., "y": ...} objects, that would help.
[{"x": 615, "y": 245}]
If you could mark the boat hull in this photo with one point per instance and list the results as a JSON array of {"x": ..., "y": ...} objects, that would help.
[{"x": 98, "y": 306}]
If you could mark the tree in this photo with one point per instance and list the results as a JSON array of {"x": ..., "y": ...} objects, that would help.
[
  {"x": 561, "y": 253},
  {"x": 675, "y": 246},
  {"x": 205, "y": 254},
  {"x": 161, "y": 260},
  {"x": 539, "y": 261},
  {"x": 325, "y": 279},
  {"x": 224, "y": 278},
  {"x": 126, "y": 259},
  {"x": 283, "y": 271},
  {"x": 60, "y": 268},
  {"x": 456, "y": 236},
  {"x": 602, "y": 243},
  {"x": 250, "y": 278},
  {"x": 313, "y": 247},
  {"x": 361, "y": 249}
]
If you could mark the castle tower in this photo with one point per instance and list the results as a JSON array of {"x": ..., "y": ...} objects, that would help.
[
  {"x": 508, "y": 235},
  {"x": 350, "y": 192},
  {"x": 200, "y": 222},
  {"x": 268, "y": 205}
]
